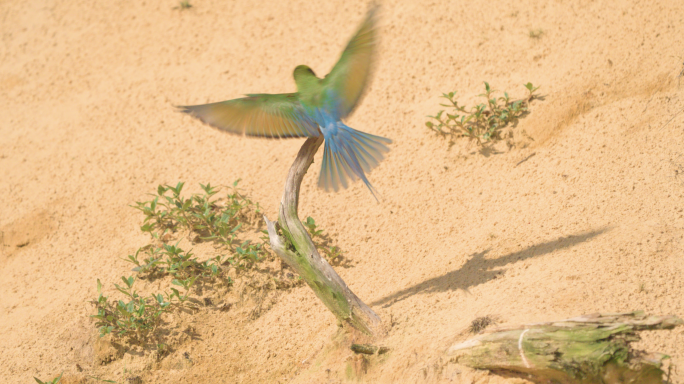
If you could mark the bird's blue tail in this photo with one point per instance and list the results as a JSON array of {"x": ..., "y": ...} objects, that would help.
[{"x": 349, "y": 154}]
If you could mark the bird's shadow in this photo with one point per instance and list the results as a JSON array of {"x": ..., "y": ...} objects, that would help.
[{"x": 479, "y": 270}]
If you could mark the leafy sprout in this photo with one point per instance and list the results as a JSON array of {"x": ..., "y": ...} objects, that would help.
[
  {"x": 184, "y": 4},
  {"x": 482, "y": 122},
  {"x": 322, "y": 241},
  {"x": 53, "y": 381},
  {"x": 136, "y": 317}
]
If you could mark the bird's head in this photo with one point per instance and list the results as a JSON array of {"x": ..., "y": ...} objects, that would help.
[
  {"x": 304, "y": 77},
  {"x": 303, "y": 71}
]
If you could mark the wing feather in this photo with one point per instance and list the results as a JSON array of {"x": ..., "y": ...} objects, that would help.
[
  {"x": 347, "y": 81},
  {"x": 262, "y": 115}
]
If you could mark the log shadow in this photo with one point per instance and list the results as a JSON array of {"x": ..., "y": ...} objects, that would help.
[{"x": 479, "y": 270}]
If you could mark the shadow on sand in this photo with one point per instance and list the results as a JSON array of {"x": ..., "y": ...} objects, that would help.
[{"x": 479, "y": 270}]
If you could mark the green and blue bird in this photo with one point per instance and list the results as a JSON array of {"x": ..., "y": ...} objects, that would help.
[{"x": 318, "y": 107}]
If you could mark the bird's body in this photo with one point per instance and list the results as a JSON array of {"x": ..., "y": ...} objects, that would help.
[{"x": 318, "y": 107}]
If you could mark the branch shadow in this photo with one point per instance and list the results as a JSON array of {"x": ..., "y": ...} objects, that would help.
[{"x": 478, "y": 270}]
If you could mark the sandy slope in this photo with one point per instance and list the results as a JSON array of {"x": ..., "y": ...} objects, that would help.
[{"x": 593, "y": 221}]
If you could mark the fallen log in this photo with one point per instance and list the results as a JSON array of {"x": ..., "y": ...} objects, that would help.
[{"x": 590, "y": 349}]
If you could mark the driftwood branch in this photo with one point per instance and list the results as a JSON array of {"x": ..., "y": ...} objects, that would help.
[
  {"x": 588, "y": 349},
  {"x": 293, "y": 244}
]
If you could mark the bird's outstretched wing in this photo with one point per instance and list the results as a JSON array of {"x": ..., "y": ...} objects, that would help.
[
  {"x": 349, "y": 76},
  {"x": 262, "y": 115}
]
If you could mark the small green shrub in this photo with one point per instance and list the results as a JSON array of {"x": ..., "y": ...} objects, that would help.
[
  {"x": 53, "y": 381},
  {"x": 201, "y": 217},
  {"x": 136, "y": 318},
  {"x": 322, "y": 241},
  {"x": 184, "y": 4},
  {"x": 536, "y": 33},
  {"x": 484, "y": 121},
  {"x": 171, "y": 260},
  {"x": 204, "y": 216}
]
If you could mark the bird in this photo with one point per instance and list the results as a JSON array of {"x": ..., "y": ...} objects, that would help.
[{"x": 317, "y": 108}]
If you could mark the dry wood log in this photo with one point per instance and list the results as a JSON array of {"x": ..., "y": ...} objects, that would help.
[
  {"x": 293, "y": 244},
  {"x": 590, "y": 349}
]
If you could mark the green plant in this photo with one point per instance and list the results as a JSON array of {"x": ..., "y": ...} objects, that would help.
[
  {"x": 135, "y": 318},
  {"x": 171, "y": 260},
  {"x": 536, "y": 33},
  {"x": 53, "y": 381},
  {"x": 484, "y": 121},
  {"x": 162, "y": 351},
  {"x": 322, "y": 241},
  {"x": 184, "y": 4},
  {"x": 201, "y": 217},
  {"x": 311, "y": 226},
  {"x": 642, "y": 287},
  {"x": 202, "y": 214}
]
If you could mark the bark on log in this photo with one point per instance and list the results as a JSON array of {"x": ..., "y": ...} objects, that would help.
[
  {"x": 590, "y": 349},
  {"x": 368, "y": 349},
  {"x": 295, "y": 247}
]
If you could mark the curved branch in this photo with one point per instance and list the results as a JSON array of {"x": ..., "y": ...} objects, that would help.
[{"x": 297, "y": 249}]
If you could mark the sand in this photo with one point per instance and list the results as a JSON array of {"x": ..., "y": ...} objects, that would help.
[{"x": 582, "y": 212}]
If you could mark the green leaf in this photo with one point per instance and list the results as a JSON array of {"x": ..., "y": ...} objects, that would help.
[
  {"x": 99, "y": 286},
  {"x": 236, "y": 228},
  {"x": 531, "y": 87},
  {"x": 149, "y": 227},
  {"x": 120, "y": 289},
  {"x": 179, "y": 187},
  {"x": 129, "y": 281}
]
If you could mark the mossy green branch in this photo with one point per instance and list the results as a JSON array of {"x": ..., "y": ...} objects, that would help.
[{"x": 294, "y": 245}]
